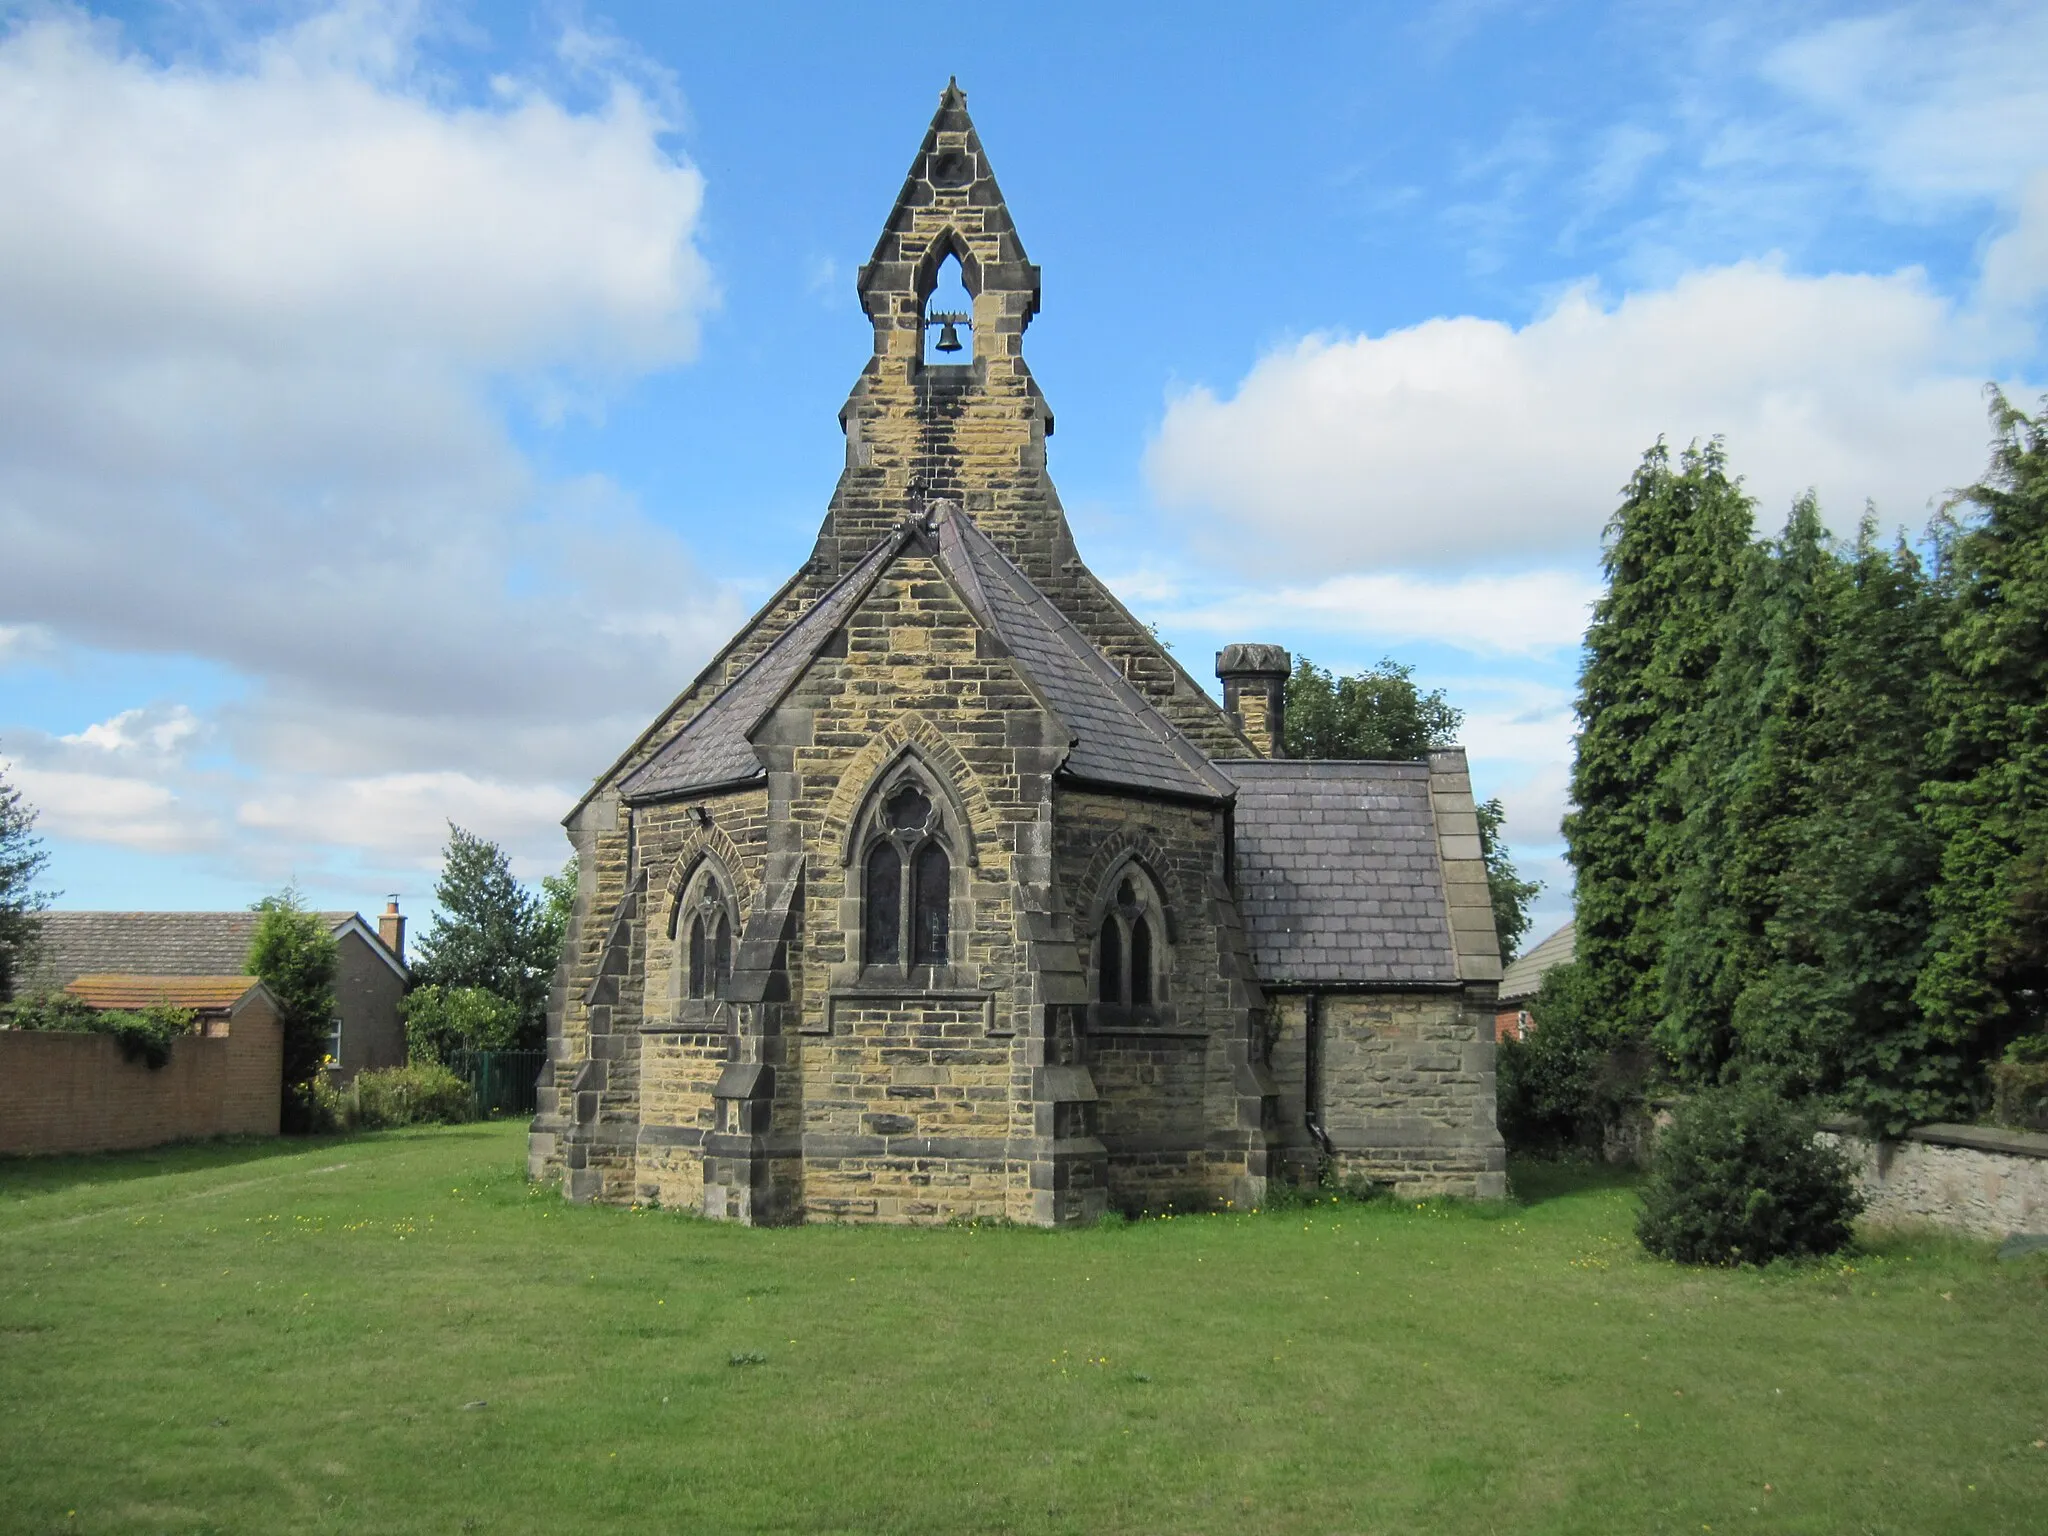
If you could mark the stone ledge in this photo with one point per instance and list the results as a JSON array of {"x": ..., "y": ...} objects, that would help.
[{"x": 1978, "y": 1138}]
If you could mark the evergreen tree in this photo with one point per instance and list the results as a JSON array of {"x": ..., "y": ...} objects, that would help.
[
  {"x": 489, "y": 932},
  {"x": 1746, "y": 791},
  {"x": 1834, "y": 1013},
  {"x": 294, "y": 954},
  {"x": 1986, "y": 976},
  {"x": 22, "y": 859},
  {"x": 1672, "y": 554}
]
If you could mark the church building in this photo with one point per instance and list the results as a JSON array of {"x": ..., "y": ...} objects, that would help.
[{"x": 944, "y": 891}]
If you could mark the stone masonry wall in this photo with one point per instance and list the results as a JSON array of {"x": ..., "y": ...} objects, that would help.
[
  {"x": 915, "y": 675},
  {"x": 1969, "y": 1179},
  {"x": 1407, "y": 1089},
  {"x": 1165, "y": 1076}
]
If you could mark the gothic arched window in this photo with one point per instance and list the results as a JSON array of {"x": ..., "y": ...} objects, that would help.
[
  {"x": 703, "y": 930},
  {"x": 908, "y": 884},
  {"x": 1126, "y": 965}
]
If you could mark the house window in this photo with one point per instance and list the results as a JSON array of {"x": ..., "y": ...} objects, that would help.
[
  {"x": 704, "y": 934},
  {"x": 1126, "y": 970},
  {"x": 907, "y": 885}
]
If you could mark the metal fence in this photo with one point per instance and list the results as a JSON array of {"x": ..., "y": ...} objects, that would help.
[{"x": 504, "y": 1081}]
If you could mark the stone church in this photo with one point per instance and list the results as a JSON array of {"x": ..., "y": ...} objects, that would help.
[{"x": 945, "y": 892}]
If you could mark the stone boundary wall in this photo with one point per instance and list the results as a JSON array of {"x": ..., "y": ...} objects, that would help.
[
  {"x": 1972, "y": 1179},
  {"x": 75, "y": 1093}
]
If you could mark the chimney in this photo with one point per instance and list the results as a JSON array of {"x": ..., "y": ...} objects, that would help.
[
  {"x": 391, "y": 928},
  {"x": 1255, "y": 693}
]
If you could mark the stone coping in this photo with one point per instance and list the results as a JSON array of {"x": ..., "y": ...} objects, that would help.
[{"x": 1978, "y": 1138}]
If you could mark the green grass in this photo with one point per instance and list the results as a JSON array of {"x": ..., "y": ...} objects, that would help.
[{"x": 395, "y": 1334}]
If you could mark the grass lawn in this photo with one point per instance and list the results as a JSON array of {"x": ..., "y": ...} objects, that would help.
[{"x": 396, "y": 1334}]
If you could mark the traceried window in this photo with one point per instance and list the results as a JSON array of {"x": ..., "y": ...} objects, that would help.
[
  {"x": 704, "y": 935},
  {"x": 907, "y": 884},
  {"x": 1125, "y": 966}
]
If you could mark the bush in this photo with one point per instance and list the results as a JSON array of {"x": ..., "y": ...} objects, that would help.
[
  {"x": 1558, "y": 1090},
  {"x": 439, "y": 1021},
  {"x": 144, "y": 1035},
  {"x": 424, "y": 1093},
  {"x": 2019, "y": 1085},
  {"x": 1737, "y": 1178}
]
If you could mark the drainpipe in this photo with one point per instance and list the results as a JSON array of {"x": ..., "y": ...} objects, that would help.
[{"x": 1312, "y": 1074}]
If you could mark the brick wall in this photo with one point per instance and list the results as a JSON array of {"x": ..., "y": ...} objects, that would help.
[
  {"x": 367, "y": 992},
  {"x": 75, "y": 1093}
]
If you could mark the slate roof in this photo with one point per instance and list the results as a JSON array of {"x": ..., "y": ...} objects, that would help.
[
  {"x": 713, "y": 748},
  {"x": 78, "y": 944},
  {"x": 202, "y": 994},
  {"x": 1525, "y": 973},
  {"x": 1117, "y": 736},
  {"x": 1338, "y": 873}
]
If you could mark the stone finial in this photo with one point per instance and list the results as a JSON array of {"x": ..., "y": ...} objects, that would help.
[{"x": 1255, "y": 693}]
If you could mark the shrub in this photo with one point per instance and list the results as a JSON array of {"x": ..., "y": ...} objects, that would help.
[
  {"x": 144, "y": 1035},
  {"x": 440, "y": 1021},
  {"x": 2019, "y": 1084},
  {"x": 1737, "y": 1178},
  {"x": 424, "y": 1093}
]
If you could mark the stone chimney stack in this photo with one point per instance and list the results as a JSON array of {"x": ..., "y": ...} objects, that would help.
[
  {"x": 1255, "y": 693},
  {"x": 391, "y": 929}
]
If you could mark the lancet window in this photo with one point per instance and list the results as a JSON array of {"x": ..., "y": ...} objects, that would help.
[
  {"x": 1127, "y": 944},
  {"x": 907, "y": 880},
  {"x": 704, "y": 936}
]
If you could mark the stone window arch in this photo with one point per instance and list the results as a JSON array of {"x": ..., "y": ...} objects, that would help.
[
  {"x": 906, "y": 865},
  {"x": 1131, "y": 942},
  {"x": 705, "y": 928}
]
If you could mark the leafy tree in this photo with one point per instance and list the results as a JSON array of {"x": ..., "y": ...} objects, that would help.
[
  {"x": 490, "y": 932},
  {"x": 1985, "y": 980},
  {"x": 558, "y": 904},
  {"x": 1378, "y": 714},
  {"x": 1381, "y": 715},
  {"x": 1672, "y": 554},
  {"x": 440, "y": 1021},
  {"x": 294, "y": 955},
  {"x": 1510, "y": 893},
  {"x": 22, "y": 859}
]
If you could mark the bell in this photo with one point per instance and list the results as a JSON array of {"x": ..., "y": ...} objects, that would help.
[{"x": 949, "y": 337}]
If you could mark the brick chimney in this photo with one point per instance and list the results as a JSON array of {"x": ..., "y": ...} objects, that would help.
[
  {"x": 1255, "y": 693},
  {"x": 391, "y": 929}
]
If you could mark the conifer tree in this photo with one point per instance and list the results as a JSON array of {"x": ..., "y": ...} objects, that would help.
[
  {"x": 22, "y": 859},
  {"x": 1746, "y": 784},
  {"x": 1672, "y": 555},
  {"x": 490, "y": 932},
  {"x": 1835, "y": 1014},
  {"x": 1986, "y": 976}
]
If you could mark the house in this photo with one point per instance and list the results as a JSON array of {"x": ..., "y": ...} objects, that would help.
[
  {"x": 1523, "y": 978},
  {"x": 945, "y": 891},
  {"x": 370, "y": 974}
]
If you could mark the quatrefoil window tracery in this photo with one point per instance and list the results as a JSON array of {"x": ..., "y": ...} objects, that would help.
[
  {"x": 908, "y": 881},
  {"x": 1125, "y": 963},
  {"x": 706, "y": 924}
]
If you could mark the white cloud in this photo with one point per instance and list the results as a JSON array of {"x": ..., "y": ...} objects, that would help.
[
  {"x": 258, "y": 324},
  {"x": 1474, "y": 441},
  {"x": 1527, "y": 613},
  {"x": 402, "y": 819},
  {"x": 141, "y": 732},
  {"x": 112, "y": 808}
]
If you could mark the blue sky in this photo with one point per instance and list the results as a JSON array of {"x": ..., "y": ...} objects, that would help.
[{"x": 404, "y": 399}]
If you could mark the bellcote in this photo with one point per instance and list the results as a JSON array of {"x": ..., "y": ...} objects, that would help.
[{"x": 950, "y": 207}]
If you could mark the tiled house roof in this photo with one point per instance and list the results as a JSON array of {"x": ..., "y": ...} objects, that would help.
[
  {"x": 1525, "y": 973},
  {"x": 78, "y": 944},
  {"x": 202, "y": 994}
]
